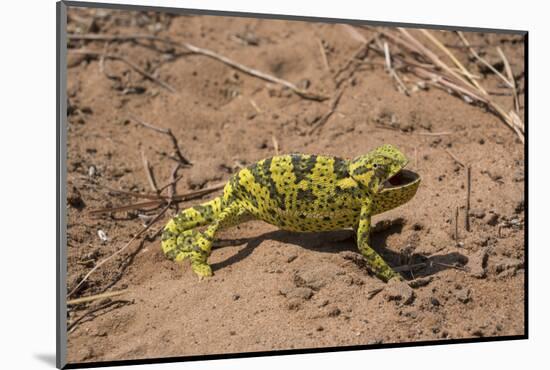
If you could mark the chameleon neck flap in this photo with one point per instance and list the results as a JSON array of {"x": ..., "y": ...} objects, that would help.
[{"x": 398, "y": 190}]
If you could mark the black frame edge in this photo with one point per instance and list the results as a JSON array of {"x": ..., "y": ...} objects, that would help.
[
  {"x": 283, "y": 17},
  {"x": 159, "y": 360},
  {"x": 526, "y": 184}
]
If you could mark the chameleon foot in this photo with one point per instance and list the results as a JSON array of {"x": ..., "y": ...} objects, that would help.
[{"x": 202, "y": 269}]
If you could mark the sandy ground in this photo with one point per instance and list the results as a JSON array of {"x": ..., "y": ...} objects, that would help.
[{"x": 273, "y": 289}]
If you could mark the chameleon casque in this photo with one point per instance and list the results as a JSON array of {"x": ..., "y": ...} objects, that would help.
[{"x": 299, "y": 192}]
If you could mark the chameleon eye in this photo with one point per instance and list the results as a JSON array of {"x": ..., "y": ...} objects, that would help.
[{"x": 375, "y": 165}]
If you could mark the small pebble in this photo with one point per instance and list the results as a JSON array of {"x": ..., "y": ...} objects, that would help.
[
  {"x": 400, "y": 291},
  {"x": 477, "y": 263},
  {"x": 463, "y": 295},
  {"x": 420, "y": 282},
  {"x": 477, "y": 213},
  {"x": 294, "y": 304},
  {"x": 492, "y": 219},
  {"x": 324, "y": 303},
  {"x": 102, "y": 235},
  {"x": 92, "y": 171},
  {"x": 478, "y": 333},
  {"x": 291, "y": 258}
]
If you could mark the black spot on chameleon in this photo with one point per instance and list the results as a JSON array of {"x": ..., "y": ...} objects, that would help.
[
  {"x": 361, "y": 170},
  {"x": 262, "y": 176},
  {"x": 167, "y": 234},
  {"x": 172, "y": 254},
  {"x": 302, "y": 165},
  {"x": 340, "y": 168},
  {"x": 306, "y": 195}
]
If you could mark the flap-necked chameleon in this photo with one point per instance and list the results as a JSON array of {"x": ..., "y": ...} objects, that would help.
[{"x": 299, "y": 192}]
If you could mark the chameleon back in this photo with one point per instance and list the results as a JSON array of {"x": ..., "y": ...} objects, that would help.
[{"x": 299, "y": 192}]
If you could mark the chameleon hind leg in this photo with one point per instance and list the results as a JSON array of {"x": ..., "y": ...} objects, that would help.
[
  {"x": 197, "y": 246},
  {"x": 374, "y": 261},
  {"x": 179, "y": 238},
  {"x": 228, "y": 217},
  {"x": 196, "y": 216}
]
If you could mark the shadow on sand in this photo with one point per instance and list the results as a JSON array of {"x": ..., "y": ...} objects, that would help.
[{"x": 344, "y": 240}]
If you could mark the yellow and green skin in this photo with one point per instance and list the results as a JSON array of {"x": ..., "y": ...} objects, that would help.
[{"x": 299, "y": 192}]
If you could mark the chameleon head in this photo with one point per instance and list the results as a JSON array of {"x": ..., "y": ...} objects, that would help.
[{"x": 375, "y": 168}]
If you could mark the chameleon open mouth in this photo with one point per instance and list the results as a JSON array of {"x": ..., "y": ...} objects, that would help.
[{"x": 400, "y": 179}]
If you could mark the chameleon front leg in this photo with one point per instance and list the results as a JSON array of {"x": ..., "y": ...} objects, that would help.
[{"x": 376, "y": 263}]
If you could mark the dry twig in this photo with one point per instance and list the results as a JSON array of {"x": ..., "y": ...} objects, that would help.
[
  {"x": 401, "y": 86},
  {"x": 326, "y": 116},
  {"x": 102, "y": 262},
  {"x": 275, "y": 145},
  {"x": 132, "y": 193},
  {"x": 95, "y": 297},
  {"x": 450, "y": 266},
  {"x": 438, "y": 73},
  {"x": 172, "y": 181},
  {"x": 444, "y": 133},
  {"x": 255, "y": 106},
  {"x": 323, "y": 54},
  {"x": 174, "y": 178},
  {"x": 510, "y": 75},
  {"x": 209, "y": 53},
  {"x": 483, "y": 61},
  {"x": 469, "y": 176},
  {"x": 454, "y": 59},
  {"x": 98, "y": 55},
  {"x": 149, "y": 173},
  {"x": 118, "y": 303},
  {"x": 455, "y": 158},
  {"x": 253, "y": 72},
  {"x": 358, "y": 56},
  {"x": 410, "y": 267},
  {"x": 179, "y": 157},
  {"x": 157, "y": 202},
  {"x": 372, "y": 293},
  {"x": 456, "y": 225}
]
